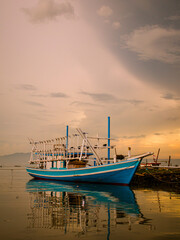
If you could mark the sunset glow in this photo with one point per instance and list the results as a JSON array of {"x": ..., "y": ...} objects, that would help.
[{"x": 78, "y": 62}]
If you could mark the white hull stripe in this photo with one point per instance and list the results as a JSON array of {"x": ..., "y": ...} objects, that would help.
[
  {"x": 79, "y": 175},
  {"x": 79, "y": 169}
]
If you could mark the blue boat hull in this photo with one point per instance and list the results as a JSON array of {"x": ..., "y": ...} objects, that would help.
[{"x": 114, "y": 173}]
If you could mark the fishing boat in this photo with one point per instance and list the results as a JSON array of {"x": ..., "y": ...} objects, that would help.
[{"x": 63, "y": 159}]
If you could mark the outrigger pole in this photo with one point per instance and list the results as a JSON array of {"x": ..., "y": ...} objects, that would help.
[
  {"x": 91, "y": 147},
  {"x": 66, "y": 152}
]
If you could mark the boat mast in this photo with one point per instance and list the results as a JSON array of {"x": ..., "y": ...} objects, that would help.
[
  {"x": 109, "y": 138},
  {"x": 67, "y": 136}
]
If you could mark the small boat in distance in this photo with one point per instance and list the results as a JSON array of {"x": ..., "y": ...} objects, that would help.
[
  {"x": 155, "y": 162},
  {"x": 63, "y": 159}
]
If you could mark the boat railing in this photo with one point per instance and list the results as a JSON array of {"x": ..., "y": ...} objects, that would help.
[{"x": 58, "y": 149}]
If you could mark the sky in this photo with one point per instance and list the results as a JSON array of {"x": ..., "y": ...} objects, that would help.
[{"x": 76, "y": 62}]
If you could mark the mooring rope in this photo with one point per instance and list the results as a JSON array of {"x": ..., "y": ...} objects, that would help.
[{"x": 159, "y": 179}]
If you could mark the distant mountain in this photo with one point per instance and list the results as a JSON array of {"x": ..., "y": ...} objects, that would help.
[{"x": 20, "y": 159}]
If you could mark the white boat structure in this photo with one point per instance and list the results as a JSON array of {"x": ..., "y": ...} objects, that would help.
[{"x": 65, "y": 159}]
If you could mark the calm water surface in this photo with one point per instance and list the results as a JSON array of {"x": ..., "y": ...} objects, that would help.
[{"x": 34, "y": 209}]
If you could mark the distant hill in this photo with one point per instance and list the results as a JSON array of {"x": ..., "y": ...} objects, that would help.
[{"x": 20, "y": 159}]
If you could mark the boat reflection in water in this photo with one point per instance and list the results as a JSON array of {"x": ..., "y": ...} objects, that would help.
[{"x": 79, "y": 208}]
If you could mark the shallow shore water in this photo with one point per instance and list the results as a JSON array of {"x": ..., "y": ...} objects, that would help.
[{"x": 34, "y": 209}]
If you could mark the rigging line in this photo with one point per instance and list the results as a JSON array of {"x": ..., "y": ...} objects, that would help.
[{"x": 160, "y": 179}]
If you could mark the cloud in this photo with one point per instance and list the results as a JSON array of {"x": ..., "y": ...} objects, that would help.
[
  {"x": 52, "y": 95},
  {"x": 102, "y": 97},
  {"x": 48, "y": 10},
  {"x": 105, "y": 97},
  {"x": 170, "y": 96},
  {"x": 26, "y": 87},
  {"x": 131, "y": 101},
  {"x": 158, "y": 134},
  {"x": 155, "y": 43},
  {"x": 174, "y": 18},
  {"x": 173, "y": 118},
  {"x": 36, "y": 104},
  {"x": 58, "y": 95},
  {"x": 131, "y": 137},
  {"x": 39, "y": 95},
  {"x": 116, "y": 25},
  {"x": 105, "y": 11},
  {"x": 85, "y": 104}
]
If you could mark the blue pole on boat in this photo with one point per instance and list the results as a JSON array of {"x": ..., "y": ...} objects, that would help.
[
  {"x": 67, "y": 135},
  {"x": 108, "y": 138}
]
